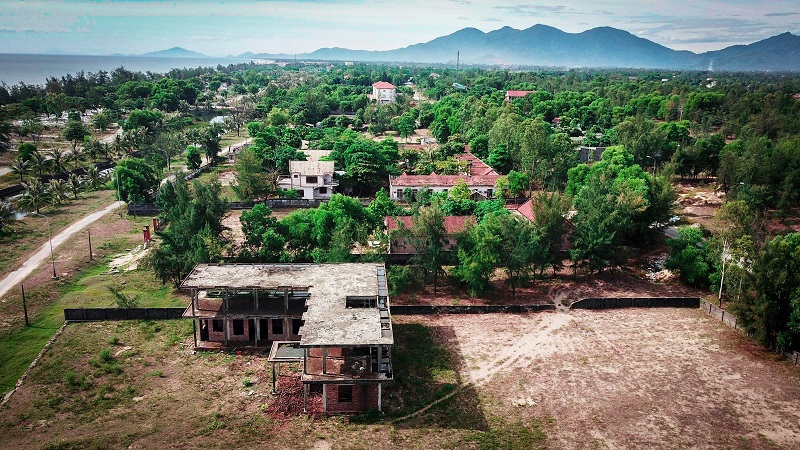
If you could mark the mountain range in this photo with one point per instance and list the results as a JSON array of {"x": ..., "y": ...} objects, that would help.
[{"x": 542, "y": 45}]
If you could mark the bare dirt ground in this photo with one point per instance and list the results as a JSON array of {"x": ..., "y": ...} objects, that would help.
[
  {"x": 558, "y": 289},
  {"x": 635, "y": 378}
]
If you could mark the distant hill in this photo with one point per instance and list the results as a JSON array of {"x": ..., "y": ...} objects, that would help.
[
  {"x": 174, "y": 52},
  {"x": 542, "y": 45}
]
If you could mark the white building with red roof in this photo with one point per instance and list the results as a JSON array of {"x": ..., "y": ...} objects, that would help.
[
  {"x": 384, "y": 92},
  {"x": 480, "y": 178}
]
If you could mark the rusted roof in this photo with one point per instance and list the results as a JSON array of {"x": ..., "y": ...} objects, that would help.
[{"x": 452, "y": 224}]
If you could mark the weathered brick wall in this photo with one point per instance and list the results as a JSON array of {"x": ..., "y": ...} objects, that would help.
[{"x": 365, "y": 397}]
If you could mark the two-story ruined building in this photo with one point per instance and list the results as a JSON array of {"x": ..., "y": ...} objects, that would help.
[{"x": 337, "y": 316}]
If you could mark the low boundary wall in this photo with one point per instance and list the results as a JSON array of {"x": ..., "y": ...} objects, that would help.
[
  {"x": 467, "y": 309},
  {"x": 101, "y": 314},
  {"x": 730, "y": 320},
  {"x": 637, "y": 302}
]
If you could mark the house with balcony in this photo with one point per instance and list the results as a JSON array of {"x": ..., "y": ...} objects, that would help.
[
  {"x": 383, "y": 92},
  {"x": 333, "y": 320},
  {"x": 313, "y": 178}
]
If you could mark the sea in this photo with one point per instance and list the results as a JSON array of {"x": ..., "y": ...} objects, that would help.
[{"x": 35, "y": 69}]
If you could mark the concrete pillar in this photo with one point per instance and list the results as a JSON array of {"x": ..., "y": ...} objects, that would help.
[
  {"x": 225, "y": 324},
  {"x": 255, "y": 294},
  {"x": 325, "y": 398},
  {"x": 286, "y": 301},
  {"x": 305, "y": 398},
  {"x": 379, "y": 397},
  {"x": 305, "y": 360},
  {"x": 380, "y": 358},
  {"x": 324, "y": 359},
  {"x": 155, "y": 224},
  {"x": 257, "y": 322}
]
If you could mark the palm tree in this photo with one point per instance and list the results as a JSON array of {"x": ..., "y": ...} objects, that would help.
[
  {"x": 58, "y": 191},
  {"x": 39, "y": 162},
  {"x": 94, "y": 179},
  {"x": 36, "y": 195},
  {"x": 20, "y": 167},
  {"x": 76, "y": 156},
  {"x": 76, "y": 184},
  {"x": 57, "y": 156},
  {"x": 6, "y": 215}
]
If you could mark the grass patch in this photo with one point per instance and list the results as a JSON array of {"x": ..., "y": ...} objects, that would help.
[{"x": 424, "y": 370}]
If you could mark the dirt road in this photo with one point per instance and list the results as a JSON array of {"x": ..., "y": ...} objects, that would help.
[{"x": 44, "y": 252}]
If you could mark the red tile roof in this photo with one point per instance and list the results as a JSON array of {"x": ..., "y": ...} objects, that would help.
[
  {"x": 383, "y": 85},
  {"x": 517, "y": 94},
  {"x": 452, "y": 224},
  {"x": 443, "y": 180},
  {"x": 476, "y": 166}
]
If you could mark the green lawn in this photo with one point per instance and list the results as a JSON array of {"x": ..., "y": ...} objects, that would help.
[{"x": 89, "y": 289}]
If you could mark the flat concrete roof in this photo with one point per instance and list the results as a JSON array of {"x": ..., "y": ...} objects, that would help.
[{"x": 327, "y": 321}]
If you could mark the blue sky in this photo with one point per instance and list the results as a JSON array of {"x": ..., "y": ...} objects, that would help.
[{"x": 219, "y": 28}]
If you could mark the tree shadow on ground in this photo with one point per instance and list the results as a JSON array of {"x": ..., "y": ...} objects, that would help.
[{"x": 427, "y": 367}]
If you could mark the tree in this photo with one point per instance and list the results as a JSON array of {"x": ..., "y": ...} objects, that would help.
[
  {"x": 427, "y": 236},
  {"x": 39, "y": 163},
  {"x": 6, "y": 216},
  {"x": 405, "y": 124},
  {"x": 500, "y": 159},
  {"x": 57, "y": 157},
  {"x": 59, "y": 191},
  {"x": 101, "y": 121},
  {"x": 25, "y": 151},
  {"x": 263, "y": 240},
  {"x": 5, "y": 132},
  {"x": 21, "y": 167},
  {"x": 74, "y": 131},
  {"x": 76, "y": 184},
  {"x": 148, "y": 119},
  {"x": 35, "y": 196},
  {"x": 688, "y": 256},
  {"x": 252, "y": 182},
  {"x": 194, "y": 234},
  {"x": 93, "y": 178},
  {"x": 771, "y": 307},
  {"x": 135, "y": 179},
  {"x": 193, "y": 158}
]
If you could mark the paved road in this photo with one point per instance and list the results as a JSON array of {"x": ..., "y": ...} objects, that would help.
[{"x": 44, "y": 253}]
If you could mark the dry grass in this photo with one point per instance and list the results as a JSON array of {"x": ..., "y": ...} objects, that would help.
[{"x": 625, "y": 378}]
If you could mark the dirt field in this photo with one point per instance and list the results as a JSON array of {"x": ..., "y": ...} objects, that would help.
[{"x": 637, "y": 378}]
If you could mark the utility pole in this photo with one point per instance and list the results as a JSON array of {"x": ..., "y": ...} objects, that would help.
[
  {"x": 90, "y": 245},
  {"x": 25, "y": 305}
]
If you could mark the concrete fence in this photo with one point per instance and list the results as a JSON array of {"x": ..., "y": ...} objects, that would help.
[
  {"x": 103, "y": 314},
  {"x": 636, "y": 302},
  {"x": 730, "y": 320},
  {"x": 467, "y": 309}
]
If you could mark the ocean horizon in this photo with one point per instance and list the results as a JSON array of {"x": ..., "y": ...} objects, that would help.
[{"x": 35, "y": 68}]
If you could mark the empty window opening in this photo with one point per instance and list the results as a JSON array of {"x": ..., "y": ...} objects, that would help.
[
  {"x": 323, "y": 190},
  {"x": 238, "y": 327},
  {"x": 361, "y": 302},
  {"x": 277, "y": 326},
  {"x": 216, "y": 325},
  {"x": 346, "y": 393},
  {"x": 296, "y": 324}
]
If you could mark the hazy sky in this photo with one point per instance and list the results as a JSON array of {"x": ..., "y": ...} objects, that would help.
[{"x": 220, "y": 28}]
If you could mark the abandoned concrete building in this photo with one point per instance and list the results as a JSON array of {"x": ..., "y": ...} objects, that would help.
[{"x": 332, "y": 319}]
